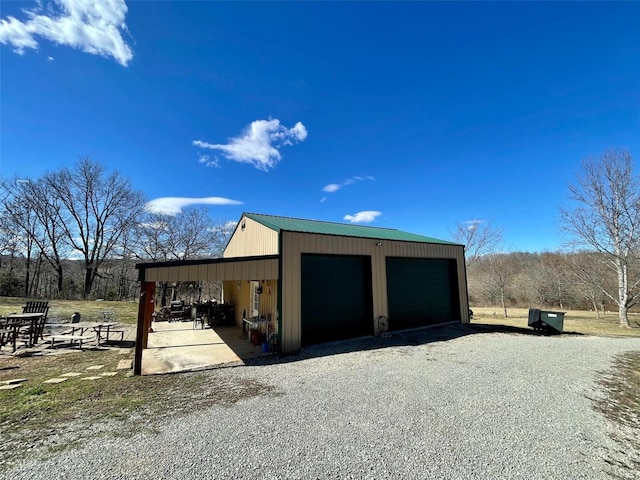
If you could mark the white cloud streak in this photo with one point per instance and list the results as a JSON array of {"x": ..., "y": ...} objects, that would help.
[
  {"x": 208, "y": 161},
  {"x": 366, "y": 216},
  {"x": 229, "y": 227},
  {"x": 94, "y": 27},
  {"x": 174, "y": 205},
  {"x": 260, "y": 143},
  {"x": 334, "y": 187},
  {"x": 472, "y": 225}
]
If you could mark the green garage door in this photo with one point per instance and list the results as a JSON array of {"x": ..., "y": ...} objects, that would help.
[
  {"x": 421, "y": 292},
  {"x": 336, "y": 298}
]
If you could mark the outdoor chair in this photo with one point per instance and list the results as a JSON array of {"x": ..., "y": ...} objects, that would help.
[
  {"x": 4, "y": 333},
  {"x": 36, "y": 307},
  {"x": 42, "y": 307}
]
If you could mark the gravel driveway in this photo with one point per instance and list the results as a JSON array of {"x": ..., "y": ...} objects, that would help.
[{"x": 440, "y": 403}]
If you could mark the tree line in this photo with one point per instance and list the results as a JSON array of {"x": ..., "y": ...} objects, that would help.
[
  {"x": 78, "y": 232},
  {"x": 600, "y": 266}
]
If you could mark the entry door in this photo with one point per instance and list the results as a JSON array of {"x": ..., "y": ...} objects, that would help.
[
  {"x": 255, "y": 299},
  {"x": 337, "y": 301}
]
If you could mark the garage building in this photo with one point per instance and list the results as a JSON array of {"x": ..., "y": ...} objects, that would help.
[{"x": 313, "y": 282}]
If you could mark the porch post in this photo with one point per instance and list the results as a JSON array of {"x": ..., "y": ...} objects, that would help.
[{"x": 145, "y": 311}]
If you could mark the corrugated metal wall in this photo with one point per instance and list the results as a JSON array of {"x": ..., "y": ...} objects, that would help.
[
  {"x": 255, "y": 239},
  {"x": 294, "y": 244},
  {"x": 255, "y": 269},
  {"x": 238, "y": 294},
  {"x": 259, "y": 240}
]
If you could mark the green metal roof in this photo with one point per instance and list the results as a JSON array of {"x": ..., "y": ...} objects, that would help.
[{"x": 331, "y": 228}]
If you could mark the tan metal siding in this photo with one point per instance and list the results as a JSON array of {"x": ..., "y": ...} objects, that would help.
[
  {"x": 294, "y": 244},
  {"x": 255, "y": 269},
  {"x": 254, "y": 240},
  {"x": 241, "y": 299}
]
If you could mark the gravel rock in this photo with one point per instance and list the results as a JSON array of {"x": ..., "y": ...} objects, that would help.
[{"x": 450, "y": 402}]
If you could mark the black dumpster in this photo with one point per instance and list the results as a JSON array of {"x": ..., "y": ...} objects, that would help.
[{"x": 547, "y": 321}]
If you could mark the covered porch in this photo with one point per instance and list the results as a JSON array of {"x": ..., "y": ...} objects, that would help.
[{"x": 250, "y": 286}]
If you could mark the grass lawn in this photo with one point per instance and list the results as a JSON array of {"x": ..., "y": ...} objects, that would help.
[
  {"x": 54, "y": 416},
  {"x": 621, "y": 405},
  {"x": 575, "y": 321},
  {"x": 125, "y": 312}
]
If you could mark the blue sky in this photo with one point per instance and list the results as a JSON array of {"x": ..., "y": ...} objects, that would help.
[{"x": 416, "y": 115}]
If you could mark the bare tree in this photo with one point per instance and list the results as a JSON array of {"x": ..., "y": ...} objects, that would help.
[
  {"x": 479, "y": 237},
  {"x": 499, "y": 270},
  {"x": 39, "y": 216},
  {"x": 592, "y": 277},
  {"x": 605, "y": 216},
  {"x": 100, "y": 208},
  {"x": 187, "y": 235},
  {"x": 9, "y": 245}
]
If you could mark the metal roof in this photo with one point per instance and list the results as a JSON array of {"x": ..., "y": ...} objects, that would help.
[{"x": 343, "y": 229}]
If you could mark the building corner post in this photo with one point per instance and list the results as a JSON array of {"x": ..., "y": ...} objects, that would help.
[{"x": 145, "y": 311}]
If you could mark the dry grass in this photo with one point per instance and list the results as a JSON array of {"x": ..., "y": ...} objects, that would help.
[
  {"x": 50, "y": 416},
  {"x": 621, "y": 405},
  {"x": 574, "y": 321},
  {"x": 126, "y": 312},
  {"x": 54, "y": 416}
]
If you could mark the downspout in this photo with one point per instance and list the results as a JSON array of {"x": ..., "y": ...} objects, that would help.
[{"x": 279, "y": 293}]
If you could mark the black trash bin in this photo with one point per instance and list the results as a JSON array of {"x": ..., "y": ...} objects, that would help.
[{"x": 545, "y": 320}]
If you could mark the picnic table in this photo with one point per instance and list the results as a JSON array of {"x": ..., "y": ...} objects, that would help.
[
  {"x": 100, "y": 331},
  {"x": 25, "y": 325}
]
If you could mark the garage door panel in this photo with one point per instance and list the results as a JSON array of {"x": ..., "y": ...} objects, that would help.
[
  {"x": 336, "y": 297},
  {"x": 421, "y": 292}
]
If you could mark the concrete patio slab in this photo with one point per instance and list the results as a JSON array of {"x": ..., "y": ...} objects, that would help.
[
  {"x": 56, "y": 380},
  {"x": 10, "y": 386},
  {"x": 13, "y": 380},
  {"x": 178, "y": 347},
  {"x": 95, "y": 367}
]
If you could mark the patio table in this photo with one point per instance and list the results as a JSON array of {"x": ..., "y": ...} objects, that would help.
[
  {"x": 256, "y": 324},
  {"x": 17, "y": 321},
  {"x": 102, "y": 330}
]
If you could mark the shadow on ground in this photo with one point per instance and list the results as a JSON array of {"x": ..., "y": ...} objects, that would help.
[{"x": 397, "y": 339}]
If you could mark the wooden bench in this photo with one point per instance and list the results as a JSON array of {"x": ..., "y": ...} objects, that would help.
[{"x": 68, "y": 338}]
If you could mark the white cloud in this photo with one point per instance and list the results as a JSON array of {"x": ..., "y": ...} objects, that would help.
[
  {"x": 473, "y": 224},
  {"x": 92, "y": 26},
  {"x": 334, "y": 187},
  {"x": 259, "y": 144},
  {"x": 230, "y": 226},
  {"x": 174, "y": 205},
  {"x": 367, "y": 216},
  {"x": 206, "y": 159}
]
